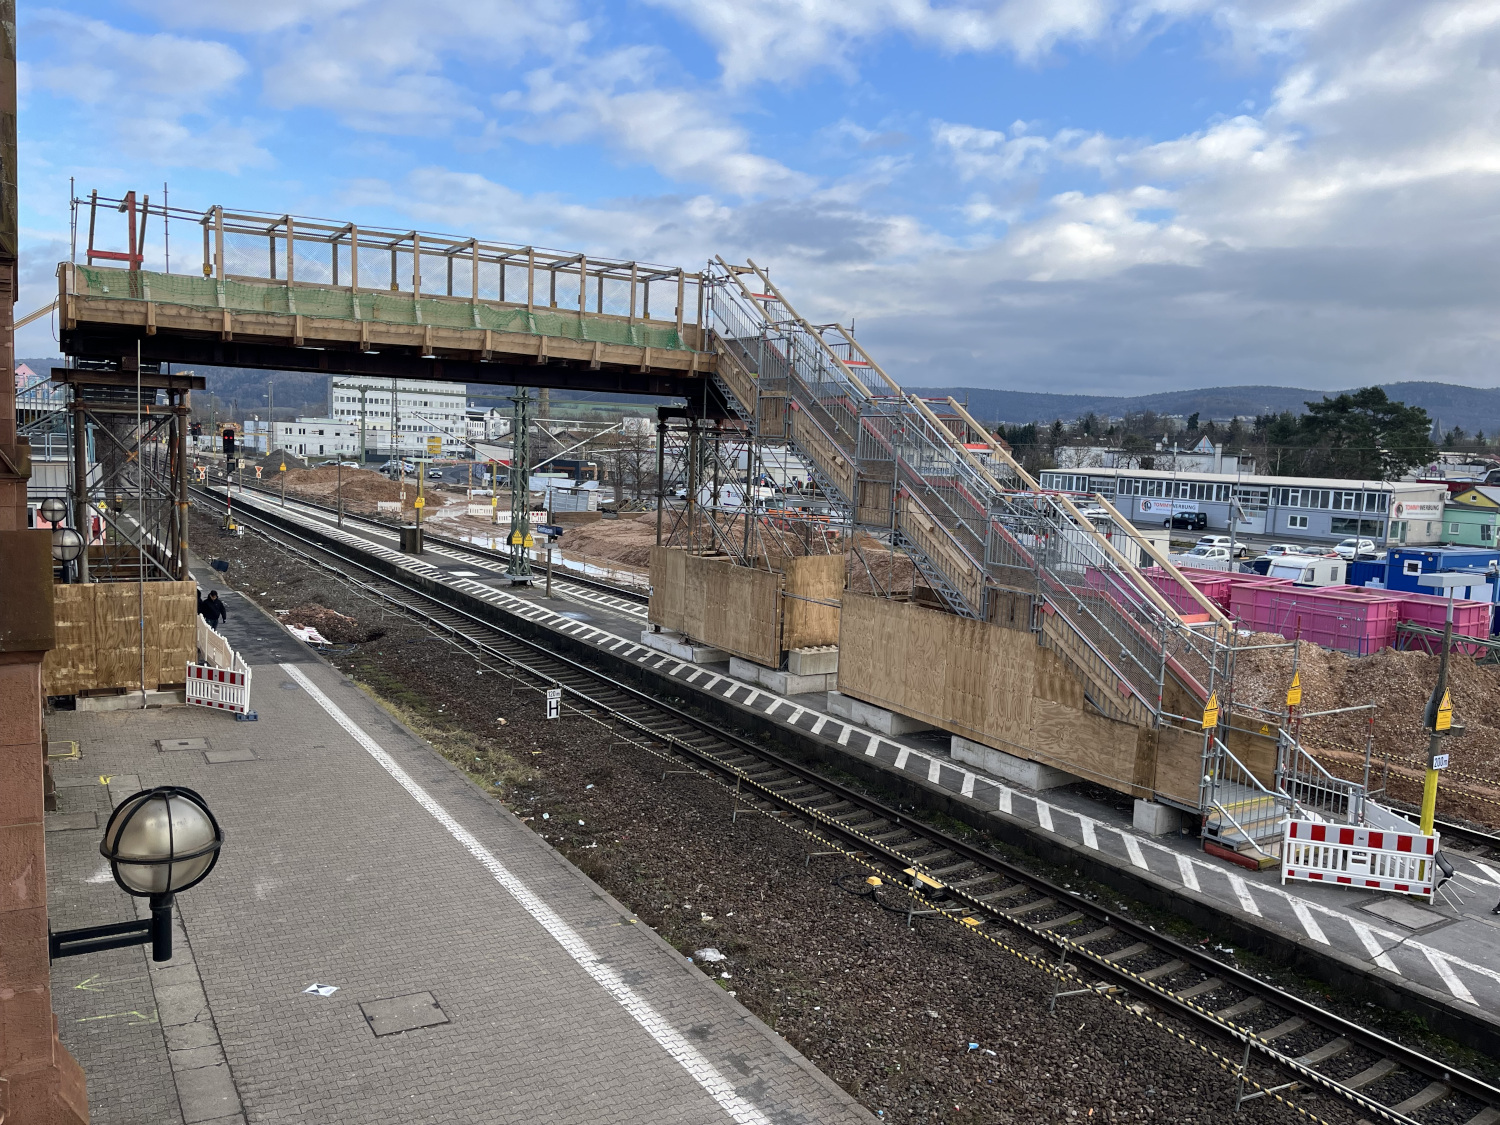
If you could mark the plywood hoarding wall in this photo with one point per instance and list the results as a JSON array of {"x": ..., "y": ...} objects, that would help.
[
  {"x": 992, "y": 684},
  {"x": 807, "y": 624},
  {"x": 99, "y": 636},
  {"x": 712, "y": 600}
]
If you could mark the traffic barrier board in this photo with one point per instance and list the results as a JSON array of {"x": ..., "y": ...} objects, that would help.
[{"x": 1363, "y": 858}]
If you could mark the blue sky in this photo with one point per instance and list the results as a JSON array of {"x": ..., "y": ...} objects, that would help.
[{"x": 1115, "y": 196}]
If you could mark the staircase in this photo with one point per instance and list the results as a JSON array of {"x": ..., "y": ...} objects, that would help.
[{"x": 975, "y": 529}]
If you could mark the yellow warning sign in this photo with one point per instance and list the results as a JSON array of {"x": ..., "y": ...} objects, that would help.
[
  {"x": 1444, "y": 714},
  {"x": 434, "y": 445},
  {"x": 515, "y": 538},
  {"x": 283, "y": 468},
  {"x": 530, "y": 542},
  {"x": 419, "y": 502},
  {"x": 1294, "y": 693},
  {"x": 1264, "y": 729},
  {"x": 1211, "y": 712}
]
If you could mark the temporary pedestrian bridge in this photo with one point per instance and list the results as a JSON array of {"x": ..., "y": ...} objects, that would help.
[{"x": 1048, "y": 644}]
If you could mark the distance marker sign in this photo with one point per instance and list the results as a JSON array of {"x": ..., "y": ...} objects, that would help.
[{"x": 554, "y": 702}]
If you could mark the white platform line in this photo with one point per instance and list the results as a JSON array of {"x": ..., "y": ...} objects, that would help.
[
  {"x": 1005, "y": 794},
  {"x": 1372, "y": 946},
  {"x": 1133, "y": 850},
  {"x": 1440, "y": 966},
  {"x": 934, "y": 771},
  {"x": 1090, "y": 837},
  {"x": 1189, "y": 876},
  {"x": 651, "y": 1021},
  {"x": 1309, "y": 923},
  {"x": 901, "y": 756},
  {"x": 1044, "y": 816},
  {"x": 1242, "y": 892},
  {"x": 968, "y": 786},
  {"x": 818, "y": 726},
  {"x": 844, "y": 735}
]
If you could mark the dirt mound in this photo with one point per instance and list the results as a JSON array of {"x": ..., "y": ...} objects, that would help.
[
  {"x": 362, "y": 489},
  {"x": 625, "y": 542},
  {"x": 334, "y": 626}
]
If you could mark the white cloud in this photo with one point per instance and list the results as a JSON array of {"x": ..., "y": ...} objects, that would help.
[
  {"x": 153, "y": 94},
  {"x": 776, "y": 40}
]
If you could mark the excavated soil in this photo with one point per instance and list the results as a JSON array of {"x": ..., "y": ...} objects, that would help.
[
  {"x": 1399, "y": 685},
  {"x": 929, "y": 1025}
]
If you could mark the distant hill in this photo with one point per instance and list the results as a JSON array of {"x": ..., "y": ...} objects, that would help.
[{"x": 1474, "y": 408}]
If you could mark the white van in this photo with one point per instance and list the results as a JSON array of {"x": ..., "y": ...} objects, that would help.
[{"x": 1309, "y": 570}]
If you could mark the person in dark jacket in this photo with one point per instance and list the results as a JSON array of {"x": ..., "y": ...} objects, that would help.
[{"x": 213, "y": 610}]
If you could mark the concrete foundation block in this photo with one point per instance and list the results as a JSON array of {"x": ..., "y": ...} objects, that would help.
[
  {"x": 1009, "y": 767},
  {"x": 820, "y": 661},
  {"x": 675, "y": 644},
  {"x": 130, "y": 701},
  {"x": 782, "y": 683},
  {"x": 1159, "y": 820},
  {"x": 874, "y": 718}
]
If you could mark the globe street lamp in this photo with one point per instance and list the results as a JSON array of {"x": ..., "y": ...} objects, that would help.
[
  {"x": 53, "y": 510},
  {"x": 158, "y": 842},
  {"x": 67, "y": 544}
]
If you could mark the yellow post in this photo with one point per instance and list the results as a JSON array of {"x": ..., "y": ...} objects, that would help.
[{"x": 1439, "y": 718}]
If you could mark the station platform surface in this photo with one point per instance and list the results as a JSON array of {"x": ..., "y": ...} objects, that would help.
[
  {"x": 1449, "y": 951},
  {"x": 479, "y": 976}
]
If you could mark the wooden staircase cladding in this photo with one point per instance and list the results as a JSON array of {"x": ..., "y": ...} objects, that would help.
[{"x": 1103, "y": 682}]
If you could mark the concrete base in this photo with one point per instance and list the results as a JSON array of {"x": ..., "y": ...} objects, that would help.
[
  {"x": 820, "y": 661},
  {"x": 130, "y": 701},
  {"x": 1159, "y": 820},
  {"x": 782, "y": 683},
  {"x": 874, "y": 718},
  {"x": 675, "y": 644},
  {"x": 1009, "y": 767}
]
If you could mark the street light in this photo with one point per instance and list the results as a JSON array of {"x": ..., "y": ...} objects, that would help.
[
  {"x": 158, "y": 842},
  {"x": 67, "y": 544},
  {"x": 53, "y": 510}
]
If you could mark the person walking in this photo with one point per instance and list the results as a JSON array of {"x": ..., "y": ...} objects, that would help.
[{"x": 214, "y": 610}]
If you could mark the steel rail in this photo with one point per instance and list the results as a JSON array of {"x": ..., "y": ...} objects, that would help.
[{"x": 902, "y": 858}]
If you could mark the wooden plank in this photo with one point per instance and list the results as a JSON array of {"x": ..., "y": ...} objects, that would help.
[
  {"x": 712, "y": 600},
  {"x": 99, "y": 635},
  {"x": 806, "y": 624},
  {"x": 1178, "y": 770}
]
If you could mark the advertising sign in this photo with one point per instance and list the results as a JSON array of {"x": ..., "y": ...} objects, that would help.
[{"x": 1167, "y": 507}]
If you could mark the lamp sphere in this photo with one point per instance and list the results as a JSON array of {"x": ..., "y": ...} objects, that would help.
[
  {"x": 161, "y": 841},
  {"x": 67, "y": 544},
  {"x": 53, "y": 510}
]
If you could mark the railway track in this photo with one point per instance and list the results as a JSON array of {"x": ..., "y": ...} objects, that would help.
[
  {"x": 1281, "y": 1041},
  {"x": 451, "y": 545}
]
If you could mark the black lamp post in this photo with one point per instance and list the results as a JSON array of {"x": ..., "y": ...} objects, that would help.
[{"x": 158, "y": 842}]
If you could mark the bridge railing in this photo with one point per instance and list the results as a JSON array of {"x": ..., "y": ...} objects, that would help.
[{"x": 293, "y": 251}]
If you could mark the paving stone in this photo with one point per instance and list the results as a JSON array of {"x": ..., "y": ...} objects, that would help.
[
  {"x": 240, "y": 754},
  {"x": 207, "y": 1093},
  {"x": 72, "y": 821},
  {"x": 1405, "y": 914}
]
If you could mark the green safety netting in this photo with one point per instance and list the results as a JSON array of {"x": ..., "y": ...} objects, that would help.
[{"x": 375, "y": 307}]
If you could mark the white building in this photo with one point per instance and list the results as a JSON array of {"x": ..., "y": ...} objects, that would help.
[
  {"x": 488, "y": 425},
  {"x": 306, "y": 437},
  {"x": 413, "y": 409}
]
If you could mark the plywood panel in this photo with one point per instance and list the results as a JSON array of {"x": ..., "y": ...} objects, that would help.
[
  {"x": 100, "y": 639},
  {"x": 989, "y": 683},
  {"x": 806, "y": 624},
  {"x": 1179, "y": 764},
  {"x": 714, "y": 601}
]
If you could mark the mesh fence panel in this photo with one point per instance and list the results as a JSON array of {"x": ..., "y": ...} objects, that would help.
[{"x": 373, "y": 306}]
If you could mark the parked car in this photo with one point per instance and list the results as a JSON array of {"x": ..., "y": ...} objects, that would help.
[
  {"x": 1276, "y": 550},
  {"x": 349, "y": 464},
  {"x": 1239, "y": 549},
  {"x": 1188, "y": 521},
  {"x": 434, "y": 474},
  {"x": 1216, "y": 554},
  {"x": 1355, "y": 549}
]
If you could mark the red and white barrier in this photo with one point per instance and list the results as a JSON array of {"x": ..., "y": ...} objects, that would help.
[
  {"x": 1365, "y": 858},
  {"x": 226, "y": 689}
]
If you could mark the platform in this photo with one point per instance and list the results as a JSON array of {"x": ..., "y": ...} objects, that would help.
[
  {"x": 479, "y": 975},
  {"x": 1448, "y": 954}
]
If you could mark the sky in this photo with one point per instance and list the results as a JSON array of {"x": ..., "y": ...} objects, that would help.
[{"x": 1083, "y": 196}]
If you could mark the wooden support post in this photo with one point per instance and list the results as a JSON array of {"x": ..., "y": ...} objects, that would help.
[
  {"x": 583, "y": 285},
  {"x": 83, "y": 511},
  {"x": 681, "y": 296},
  {"x": 632, "y": 292},
  {"x": 416, "y": 265},
  {"x": 208, "y": 268},
  {"x": 474, "y": 278}
]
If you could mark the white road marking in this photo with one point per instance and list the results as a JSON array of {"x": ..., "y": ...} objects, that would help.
[
  {"x": 968, "y": 786},
  {"x": 1133, "y": 850},
  {"x": 817, "y": 727},
  {"x": 1490, "y": 871},
  {"x": 1242, "y": 892},
  {"x": 717, "y": 1086},
  {"x": 1440, "y": 966},
  {"x": 1372, "y": 946},
  {"x": 901, "y": 756},
  {"x": 1309, "y": 923},
  {"x": 1004, "y": 805},
  {"x": 1189, "y": 876},
  {"x": 1044, "y": 815},
  {"x": 844, "y": 735},
  {"x": 1090, "y": 837},
  {"x": 934, "y": 771}
]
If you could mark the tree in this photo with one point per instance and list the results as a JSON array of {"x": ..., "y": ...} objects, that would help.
[{"x": 1364, "y": 435}]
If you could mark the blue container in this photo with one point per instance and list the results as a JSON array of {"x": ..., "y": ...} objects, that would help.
[
  {"x": 1362, "y": 573},
  {"x": 1406, "y": 563}
]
